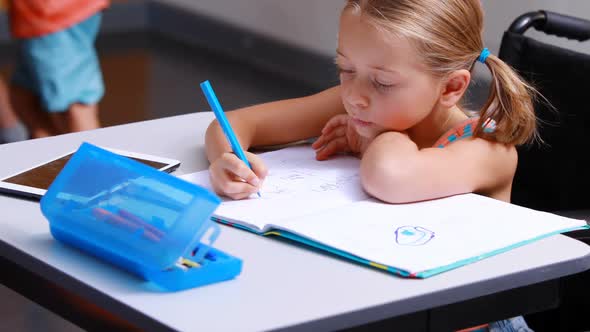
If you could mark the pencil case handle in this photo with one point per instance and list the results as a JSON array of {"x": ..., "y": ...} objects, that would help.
[{"x": 205, "y": 244}]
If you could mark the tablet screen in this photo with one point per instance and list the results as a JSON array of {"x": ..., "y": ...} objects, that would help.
[
  {"x": 42, "y": 176},
  {"x": 35, "y": 181}
]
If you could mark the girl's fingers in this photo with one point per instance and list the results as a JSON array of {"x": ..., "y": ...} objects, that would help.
[
  {"x": 229, "y": 174},
  {"x": 336, "y": 133},
  {"x": 335, "y": 121},
  {"x": 333, "y": 147},
  {"x": 240, "y": 196},
  {"x": 258, "y": 166},
  {"x": 319, "y": 142},
  {"x": 239, "y": 190},
  {"x": 327, "y": 138},
  {"x": 223, "y": 184},
  {"x": 232, "y": 164}
]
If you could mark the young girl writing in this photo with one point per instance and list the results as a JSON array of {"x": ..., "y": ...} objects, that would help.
[{"x": 404, "y": 68}]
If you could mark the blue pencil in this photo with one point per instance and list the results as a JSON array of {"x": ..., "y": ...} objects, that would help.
[{"x": 224, "y": 123}]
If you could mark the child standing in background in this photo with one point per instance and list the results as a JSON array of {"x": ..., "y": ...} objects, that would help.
[
  {"x": 57, "y": 82},
  {"x": 404, "y": 68},
  {"x": 11, "y": 129},
  {"x": 55, "y": 89}
]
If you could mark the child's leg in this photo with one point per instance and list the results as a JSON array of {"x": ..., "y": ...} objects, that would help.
[
  {"x": 78, "y": 117},
  {"x": 479, "y": 328},
  {"x": 515, "y": 324},
  {"x": 11, "y": 129},
  {"x": 7, "y": 117},
  {"x": 24, "y": 88},
  {"x": 65, "y": 73},
  {"x": 29, "y": 110}
]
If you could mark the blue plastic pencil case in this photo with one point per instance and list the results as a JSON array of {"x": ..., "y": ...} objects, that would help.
[{"x": 148, "y": 222}]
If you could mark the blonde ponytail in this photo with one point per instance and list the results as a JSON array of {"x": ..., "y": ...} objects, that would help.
[{"x": 509, "y": 105}]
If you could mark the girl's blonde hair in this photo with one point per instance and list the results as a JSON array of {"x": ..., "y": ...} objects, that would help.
[{"x": 448, "y": 37}]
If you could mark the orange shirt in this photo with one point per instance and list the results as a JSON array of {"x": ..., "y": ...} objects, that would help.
[{"x": 34, "y": 18}]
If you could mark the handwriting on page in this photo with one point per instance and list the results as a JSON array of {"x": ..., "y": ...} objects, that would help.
[
  {"x": 299, "y": 182},
  {"x": 296, "y": 185},
  {"x": 295, "y": 173}
]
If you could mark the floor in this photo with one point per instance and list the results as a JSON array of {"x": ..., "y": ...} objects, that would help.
[{"x": 18, "y": 314}]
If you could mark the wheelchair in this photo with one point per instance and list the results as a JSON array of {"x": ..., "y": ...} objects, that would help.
[{"x": 554, "y": 174}]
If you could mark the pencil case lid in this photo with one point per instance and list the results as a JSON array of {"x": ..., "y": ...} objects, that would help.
[{"x": 129, "y": 213}]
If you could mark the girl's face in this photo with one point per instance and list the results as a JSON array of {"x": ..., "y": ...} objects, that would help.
[{"x": 383, "y": 85}]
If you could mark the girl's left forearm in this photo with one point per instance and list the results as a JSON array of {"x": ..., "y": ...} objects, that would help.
[{"x": 387, "y": 168}]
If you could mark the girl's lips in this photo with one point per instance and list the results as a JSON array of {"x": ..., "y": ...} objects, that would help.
[{"x": 360, "y": 122}]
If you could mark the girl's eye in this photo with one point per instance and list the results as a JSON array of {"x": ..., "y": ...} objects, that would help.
[
  {"x": 382, "y": 86},
  {"x": 345, "y": 71},
  {"x": 345, "y": 74}
]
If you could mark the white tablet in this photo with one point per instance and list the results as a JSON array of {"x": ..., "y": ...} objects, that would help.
[{"x": 34, "y": 182}]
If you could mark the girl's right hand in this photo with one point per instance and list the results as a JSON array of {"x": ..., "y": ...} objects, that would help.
[
  {"x": 339, "y": 136},
  {"x": 231, "y": 177}
]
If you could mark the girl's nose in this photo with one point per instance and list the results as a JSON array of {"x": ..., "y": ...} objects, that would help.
[{"x": 356, "y": 95}]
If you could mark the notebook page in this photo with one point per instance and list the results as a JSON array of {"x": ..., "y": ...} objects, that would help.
[
  {"x": 428, "y": 235},
  {"x": 297, "y": 185}
]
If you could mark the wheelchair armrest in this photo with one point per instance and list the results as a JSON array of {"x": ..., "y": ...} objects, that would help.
[
  {"x": 553, "y": 24},
  {"x": 567, "y": 26}
]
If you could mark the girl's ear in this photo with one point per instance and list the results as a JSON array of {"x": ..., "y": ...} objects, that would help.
[{"x": 454, "y": 87}]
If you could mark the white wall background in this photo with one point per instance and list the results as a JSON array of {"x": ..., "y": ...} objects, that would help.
[{"x": 312, "y": 24}]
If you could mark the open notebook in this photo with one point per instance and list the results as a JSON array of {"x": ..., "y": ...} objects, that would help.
[{"x": 322, "y": 204}]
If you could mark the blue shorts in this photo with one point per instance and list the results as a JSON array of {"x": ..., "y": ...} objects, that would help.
[{"x": 62, "y": 68}]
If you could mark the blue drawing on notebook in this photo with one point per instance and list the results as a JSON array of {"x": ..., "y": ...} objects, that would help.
[{"x": 413, "y": 235}]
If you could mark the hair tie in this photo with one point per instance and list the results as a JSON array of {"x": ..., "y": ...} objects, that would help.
[{"x": 483, "y": 55}]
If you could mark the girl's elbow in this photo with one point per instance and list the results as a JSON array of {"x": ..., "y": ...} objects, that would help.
[{"x": 386, "y": 182}]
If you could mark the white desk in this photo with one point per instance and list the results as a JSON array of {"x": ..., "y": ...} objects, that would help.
[{"x": 281, "y": 285}]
